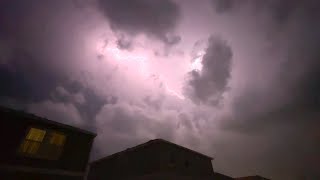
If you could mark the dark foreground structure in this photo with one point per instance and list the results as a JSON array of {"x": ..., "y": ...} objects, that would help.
[
  {"x": 153, "y": 160},
  {"x": 252, "y": 178},
  {"x": 36, "y": 148},
  {"x": 219, "y": 176}
]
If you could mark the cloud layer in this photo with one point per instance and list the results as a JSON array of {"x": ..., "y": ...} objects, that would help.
[
  {"x": 110, "y": 66},
  {"x": 155, "y": 18},
  {"x": 210, "y": 83}
]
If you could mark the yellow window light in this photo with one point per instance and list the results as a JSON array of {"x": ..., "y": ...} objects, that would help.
[
  {"x": 57, "y": 139},
  {"x": 35, "y": 134},
  {"x": 32, "y": 141}
]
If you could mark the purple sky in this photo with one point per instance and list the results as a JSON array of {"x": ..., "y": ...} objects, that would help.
[{"x": 236, "y": 80}]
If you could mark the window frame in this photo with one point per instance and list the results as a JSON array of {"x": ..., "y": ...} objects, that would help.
[{"x": 45, "y": 143}]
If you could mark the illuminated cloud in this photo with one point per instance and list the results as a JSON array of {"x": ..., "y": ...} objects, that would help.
[
  {"x": 132, "y": 70},
  {"x": 209, "y": 81}
]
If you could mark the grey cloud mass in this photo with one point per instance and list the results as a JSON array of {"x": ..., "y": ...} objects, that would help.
[
  {"x": 254, "y": 106},
  {"x": 207, "y": 85},
  {"x": 155, "y": 18},
  {"x": 283, "y": 112},
  {"x": 124, "y": 42},
  {"x": 223, "y": 5},
  {"x": 122, "y": 124}
]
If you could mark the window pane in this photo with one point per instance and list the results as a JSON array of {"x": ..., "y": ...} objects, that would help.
[
  {"x": 57, "y": 139},
  {"x": 24, "y": 146},
  {"x": 33, "y": 148},
  {"x": 30, "y": 147},
  {"x": 44, "y": 144},
  {"x": 36, "y": 134}
]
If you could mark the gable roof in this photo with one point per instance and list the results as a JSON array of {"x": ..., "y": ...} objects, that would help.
[
  {"x": 149, "y": 143},
  {"x": 33, "y": 117},
  {"x": 220, "y": 176}
]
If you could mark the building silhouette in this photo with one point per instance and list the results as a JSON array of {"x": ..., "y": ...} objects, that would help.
[
  {"x": 219, "y": 176},
  {"x": 252, "y": 178},
  {"x": 37, "y": 148},
  {"x": 155, "y": 159}
]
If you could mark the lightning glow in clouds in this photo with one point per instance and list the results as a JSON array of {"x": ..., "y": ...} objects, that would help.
[
  {"x": 132, "y": 59},
  {"x": 120, "y": 55},
  {"x": 196, "y": 63}
]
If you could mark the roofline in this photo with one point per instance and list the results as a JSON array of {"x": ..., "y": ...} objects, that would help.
[
  {"x": 146, "y": 144},
  {"x": 35, "y": 117},
  {"x": 179, "y": 146}
]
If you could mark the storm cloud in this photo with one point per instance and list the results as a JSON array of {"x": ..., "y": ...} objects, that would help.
[
  {"x": 282, "y": 105},
  {"x": 155, "y": 18},
  {"x": 223, "y": 5},
  {"x": 252, "y": 101},
  {"x": 208, "y": 85}
]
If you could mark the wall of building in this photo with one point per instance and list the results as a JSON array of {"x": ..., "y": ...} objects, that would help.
[
  {"x": 36, "y": 176},
  {"x": 252, "y": 178},
  {"x": 13, "y": 130},
  {"x": 155, "y": 158},
  {"x": 175, "y": 159},
  {"x": 129, "y": 164}
]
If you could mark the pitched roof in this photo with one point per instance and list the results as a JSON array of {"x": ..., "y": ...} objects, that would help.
[
  {"x": 221, "y": 176},
  {"x": 148, "y": 143},
  {"x": 47, "y": 121}
]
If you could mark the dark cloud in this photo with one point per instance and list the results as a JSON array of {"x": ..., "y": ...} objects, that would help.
[
  {"x": 223, "y": 5},
  {"x": 31, "y": 82},
  {"x": 279, "y": 10},
  {"x": 273, "y": 117},
  {"x": 285, "y": 111},
  {"x": 154, "y": 102},
  {"x": 32, "y": 65},
  {"x": 298, "y": 75},
  {"x": 185, "y": 121},
  {"x": 123, "y": 125},
  {"x": 39, "y": 45},
  {"x": 65, "y": 113},
  {"x": 27, "y": 79},
  {"x": 172, "y": 40},
  {"x": 124, "y": 42},
  {"x": 155, "y": 18},
  {"x": 207, "y": 85},
  {"x": 84, "y": 99}
]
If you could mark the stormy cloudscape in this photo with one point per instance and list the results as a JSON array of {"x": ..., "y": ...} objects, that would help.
[{"x": 237, "y": 80}]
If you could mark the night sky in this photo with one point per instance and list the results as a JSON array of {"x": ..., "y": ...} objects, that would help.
[{"x": 236, "y": 80}]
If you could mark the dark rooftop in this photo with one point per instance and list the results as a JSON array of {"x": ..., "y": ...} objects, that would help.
[
  {"x": 148, "y": 143},
  {"x": 220, "y": 176},
  {"x": 30, "y": 116}
]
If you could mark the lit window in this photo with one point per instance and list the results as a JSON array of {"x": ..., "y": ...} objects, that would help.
[
  {"x": 55, "y": 145},
  {"x": 36, "y": 134},
  {"x": 32, "y": 142},
  {"x": 57, "y": 139},
  {"x": 43, "y": 144}
]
